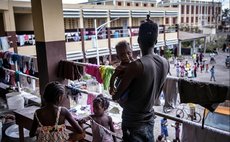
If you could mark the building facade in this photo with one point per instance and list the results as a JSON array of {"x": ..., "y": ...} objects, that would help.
[
  {"x": 195, "y": 13},
  {"x": 122, "y": 20}
]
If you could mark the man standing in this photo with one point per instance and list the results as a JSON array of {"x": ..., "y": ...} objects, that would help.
[{"x": 144, "y": 78}]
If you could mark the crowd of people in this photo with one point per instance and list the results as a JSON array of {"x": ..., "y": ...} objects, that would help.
[{"x": 188, "y": 69}]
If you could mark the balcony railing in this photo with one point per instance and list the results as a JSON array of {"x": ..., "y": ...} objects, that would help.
[{"x": 74, "y": 45}]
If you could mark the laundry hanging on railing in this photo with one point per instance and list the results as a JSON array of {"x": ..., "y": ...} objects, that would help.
[
  {"x": 192, "y": 132},
  {"x": 170, "y": 92},
  {"x": 93, "y": 70},
  {"x": 68, "y": 70},
  {"x": 26, "y": 64},
  {"x": 7, "y": 77},
  {"x": 11, "y": 77},
  {"x": 206, "y": 94},
  {"x": 101, "y": 73}
]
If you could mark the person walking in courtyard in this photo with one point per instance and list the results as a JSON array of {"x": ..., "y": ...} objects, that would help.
[
  {"x": 194, "y": 70},
  {"x": 212, "y": 71},
  {"x": 164, "y": 129},
  {"x": 177, "y": 129},
  {"x": 144, "y": 78}
]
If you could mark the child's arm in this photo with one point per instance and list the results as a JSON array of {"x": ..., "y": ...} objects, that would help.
[
  {"x": 111, "y": 88},
  {"x": 34, "y": 127},
  {"x": 84, "y": 119},
  {"x": 72, "y": 122},
  {"x": 112, "y": 128}
]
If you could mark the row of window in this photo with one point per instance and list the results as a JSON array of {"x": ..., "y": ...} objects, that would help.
[
  {"x": 73, "y": 23},
  {"x": 196, "y": 18},
  {"x": 136, "y": 4},
  {"x": 174, "y": 20},
  {"x": 216, "y": 10}
]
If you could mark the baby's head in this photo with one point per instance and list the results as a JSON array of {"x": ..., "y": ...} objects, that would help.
[
  {"x": 100, "y": 104},
  {"x": 124, "y": 52},
  {"x": 53, "y": 92}
]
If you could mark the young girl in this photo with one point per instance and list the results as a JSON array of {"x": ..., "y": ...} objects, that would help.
[
  {"x": 101, "y": 123},
  {"x": 49, "y": 121}
]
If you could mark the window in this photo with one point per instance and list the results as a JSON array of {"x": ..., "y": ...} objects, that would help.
[
  {"x": 219, "y": 10},
  {"x": 208, "y": 19},
  {"x": 152, "y": 5},
  {"x": 187, "y": 10},
  {"x": 187, "y": 19},
  {"x": 196, "y": 19},
  {"x": 174, "y": 20},
  {"x": 65, "y": 21},
  {"x": 145, "y": 4},
  {"x": 182, "y": 9},
  {"x": 167, "y": 21},
  {"x": 128, "y": 4},
  {"x": 191, "y": 19},
  {"x": 203, "y": 10},
  {"x": 197, "y": 9},
  {"x": 182, "y": 19},
  {"x": 209, "y": 10},
  {"x": 174, "y": 6},
  {"x": 137, "y": 4},
  {"x": 192, "y": 7},
  {"x": 119, "y": 3}
]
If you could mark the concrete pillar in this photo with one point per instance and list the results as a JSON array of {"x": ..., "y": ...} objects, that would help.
[
  {"x": 179, "y": 14},
  {"x": 164, "y": 35},
  {"x": 179, "y": 49},
  {"x": 205, "y": 44},
  {"x": 109, "y": 38},
  {"x": 9, "y": 25},
  {"x": 193, "y": 46},
  {"x": 130, "y": 30},
  {"x": 50, "y": 39},
  {"x": 82, "y": 31}
]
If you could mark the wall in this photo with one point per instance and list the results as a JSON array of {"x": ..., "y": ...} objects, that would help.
[{"x": 23, "y": 22}]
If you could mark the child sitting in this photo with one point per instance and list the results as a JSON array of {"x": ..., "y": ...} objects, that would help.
[
  {"x": 101, "y": 123},
  {"x": 124, "y": 54},
  {"x": 49, "y": 121}
]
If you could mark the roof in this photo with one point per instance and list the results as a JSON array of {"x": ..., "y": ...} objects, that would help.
[{"x": 190, "y": 36}]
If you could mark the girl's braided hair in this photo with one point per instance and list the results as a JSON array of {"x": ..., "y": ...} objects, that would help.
[
  {"x": 101, "y": 100},
  {"x": 52, "y": 92}
]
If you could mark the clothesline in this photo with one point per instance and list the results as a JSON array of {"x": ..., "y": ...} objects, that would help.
[
  {"x": 93, "y": 93},
  {"x": 85, "y": 64},
  {"x": 20, "y": 54},
  {"x": 20, "y": 73}
]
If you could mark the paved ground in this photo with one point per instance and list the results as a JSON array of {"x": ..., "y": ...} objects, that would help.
[{"x": 222, "y": 77}]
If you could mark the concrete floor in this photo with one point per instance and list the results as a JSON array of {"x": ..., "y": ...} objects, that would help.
[{"x": 222, "y": 77}]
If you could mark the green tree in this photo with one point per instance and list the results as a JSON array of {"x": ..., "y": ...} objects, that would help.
[{"x": 167, "y": 53}]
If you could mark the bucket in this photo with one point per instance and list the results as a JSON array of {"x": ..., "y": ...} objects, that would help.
[
  {"x": 12, "y": 134},
  {"x": 15, "y": 102}
]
